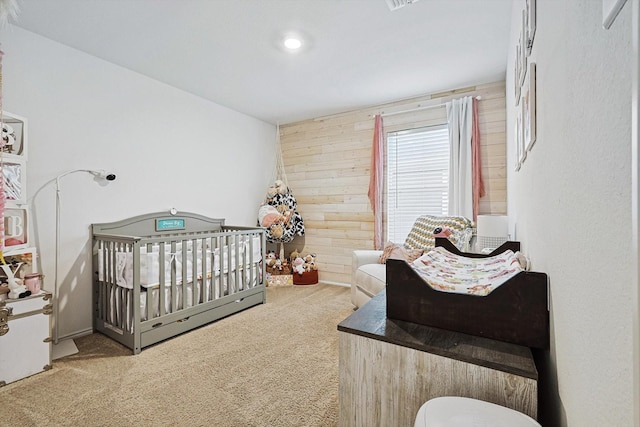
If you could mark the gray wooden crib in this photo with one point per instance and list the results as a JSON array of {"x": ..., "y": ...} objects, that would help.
[{"x": 162, "y": 274}]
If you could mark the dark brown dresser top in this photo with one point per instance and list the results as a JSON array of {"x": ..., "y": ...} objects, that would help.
[{"x": 371, "y": 321}]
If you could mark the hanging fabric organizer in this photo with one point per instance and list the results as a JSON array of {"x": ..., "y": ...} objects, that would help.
[{"x": 278, "y": 214}]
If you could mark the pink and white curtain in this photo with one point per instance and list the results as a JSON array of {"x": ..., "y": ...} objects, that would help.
[
  {"x": 376, "y": 181},
  {"x": 476, "y": 163},
  {"x": 465, "y": 178}
]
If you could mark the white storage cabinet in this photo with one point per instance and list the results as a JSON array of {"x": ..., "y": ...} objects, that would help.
[{"x": 25, "y": 336}]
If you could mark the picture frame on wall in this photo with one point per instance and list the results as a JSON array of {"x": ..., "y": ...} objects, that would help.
[
  {"x": 523, "y": 48},
  {"x": 521, "y": 147},
  {"x": 517, "y": 143},
  {"x": 610, "y": 11},
  {"x": 516, "y": 76},
  {"x": 531, "y": 24},
  {"x": 529, "y": 107},
  {"x": 521, "y": 153}
]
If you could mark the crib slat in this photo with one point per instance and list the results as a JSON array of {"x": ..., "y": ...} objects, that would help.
[
  {"x": 149, "y": 305},
  {"x": 252, "y": 242},
  {"x": 102, "y": 301},
  {"x": 195, "y": 294},
  {"x": 174, "y": 288},
  {"x": 162, "y": 296},
  {"x": 184, "y": 277},
  {"x": 236, "y": 255},
  {"x": 135, "y": 298},
  {"x": 205, "y": 279},
  {"x": 220, "y": 279},
  {"x": 112, "y": 277},
  {"x": 230, "y": 283}
]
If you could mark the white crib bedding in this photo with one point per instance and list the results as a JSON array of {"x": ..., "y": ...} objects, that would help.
[
  {"x": 448, "y": 272},
  {"x": 119, "y": 296},
  {"x": 173, "y": 262}
]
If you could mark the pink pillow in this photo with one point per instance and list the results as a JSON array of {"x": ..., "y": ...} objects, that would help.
[{"x": 395, "y": 251}]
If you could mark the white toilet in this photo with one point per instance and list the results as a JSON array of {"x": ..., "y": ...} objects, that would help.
[{"x": 452, "y": 411}]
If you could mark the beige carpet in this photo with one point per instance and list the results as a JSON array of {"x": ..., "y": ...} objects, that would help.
[{"x": 275, "y": 364}]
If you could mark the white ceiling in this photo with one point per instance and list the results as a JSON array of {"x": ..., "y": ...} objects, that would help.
[{"x": 357, "y": 53}]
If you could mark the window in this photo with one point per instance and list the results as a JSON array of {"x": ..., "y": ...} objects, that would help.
[{"x": 417, "y": 177}]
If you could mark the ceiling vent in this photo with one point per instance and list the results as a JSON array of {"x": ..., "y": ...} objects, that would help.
[{"x": 397, "y": 4}]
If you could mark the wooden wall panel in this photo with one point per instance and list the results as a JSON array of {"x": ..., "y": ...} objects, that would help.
[{"x": 327, "y": 161}]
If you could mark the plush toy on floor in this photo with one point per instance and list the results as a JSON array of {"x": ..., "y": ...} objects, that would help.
[
  {"x": 298, "y": 265},
  {"x": 310, "y": 262},
  {"x": 271, "y": 259}
]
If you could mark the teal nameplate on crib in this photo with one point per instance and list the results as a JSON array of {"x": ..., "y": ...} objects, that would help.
[{"x": 170, "y": 224}]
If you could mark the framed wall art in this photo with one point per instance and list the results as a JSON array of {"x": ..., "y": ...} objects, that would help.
[
  {"x": 521, "y": 153},
  {"x": 523, "y": 48},
  {"x": 529, "y": 107},
  {"x": 531, "y": 24},
  {"x": 610, "y": 11},
  {"x": 516, "y": 75}
]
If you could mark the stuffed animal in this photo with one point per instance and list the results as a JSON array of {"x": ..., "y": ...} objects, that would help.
[
  {"x": 277, "y": 230},
  {"x": 310, "y": 262},
  {"x": 271, "y": 259},
  {"x": 295, "y": 254},
  {"x": 16, "y": 289},
  {"x": 280, "y": 187},
  {"x": 298, "y": 265},
  {"x": 8, "y": 137},
  {"x": 286, "y": 269},
  {"x": 269, "y": 215},
  {"x": 271, "y": 192},
  {"x": 288, "y": 223},
  {"x": 285, "y": 213},
  {"x": 441, "y": 232}
]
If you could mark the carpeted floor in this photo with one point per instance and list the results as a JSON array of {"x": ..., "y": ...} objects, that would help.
[{"x": 275, "y": 364}]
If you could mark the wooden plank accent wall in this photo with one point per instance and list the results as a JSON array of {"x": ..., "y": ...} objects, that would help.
[{"x": 327, "y": 162}]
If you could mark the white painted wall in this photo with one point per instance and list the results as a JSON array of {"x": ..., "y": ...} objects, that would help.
[
  {"x": 571, "y": 205},
  {"x": 167, "y": 147}
]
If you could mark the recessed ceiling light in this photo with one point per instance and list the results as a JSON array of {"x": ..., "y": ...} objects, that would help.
[{"x": 292, "y": 43}]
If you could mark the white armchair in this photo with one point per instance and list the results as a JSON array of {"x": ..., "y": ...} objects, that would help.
[{"x": 369, "y": 276}]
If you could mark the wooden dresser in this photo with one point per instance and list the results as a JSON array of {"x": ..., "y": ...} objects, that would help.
[{"x": 389, "y": 368}]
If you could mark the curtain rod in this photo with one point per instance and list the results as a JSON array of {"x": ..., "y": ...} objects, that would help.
[{"x": 416, "y": 109}]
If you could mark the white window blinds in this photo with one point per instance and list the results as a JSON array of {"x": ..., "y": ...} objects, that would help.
[{"x": 417, "y": 177}]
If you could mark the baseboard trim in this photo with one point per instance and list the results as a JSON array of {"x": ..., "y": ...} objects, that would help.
[
  {"x": 77, "y": 334},
  {"x": 345, "y": 285}
]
